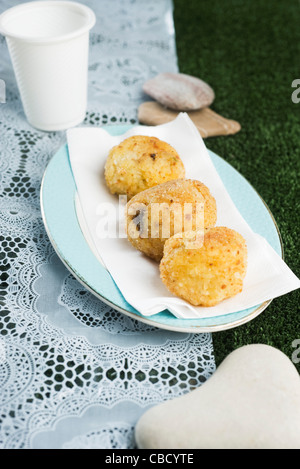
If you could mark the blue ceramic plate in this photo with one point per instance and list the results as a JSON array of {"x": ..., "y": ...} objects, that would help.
[{"x": 62, "y": 222}]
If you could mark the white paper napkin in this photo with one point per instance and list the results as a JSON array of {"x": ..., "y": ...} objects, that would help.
[{"x": 136, "y": 276}]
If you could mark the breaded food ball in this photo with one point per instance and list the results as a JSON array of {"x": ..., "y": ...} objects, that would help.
[
  {"x": 141, "y": 162},
  {"x": 206, "y": 269},
  {"x": 158, "y": 213}
]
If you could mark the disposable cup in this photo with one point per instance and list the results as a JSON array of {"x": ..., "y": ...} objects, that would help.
[{"x": 48, "y": 42}]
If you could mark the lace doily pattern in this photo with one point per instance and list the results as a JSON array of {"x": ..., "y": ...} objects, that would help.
[
  {"x": 96, "y": 314},
  {"x": 75, "y": 373},
  {"x": 118, "y": 436}
]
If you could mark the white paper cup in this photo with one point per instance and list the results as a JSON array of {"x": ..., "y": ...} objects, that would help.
[{"x": 48, "y": 43}]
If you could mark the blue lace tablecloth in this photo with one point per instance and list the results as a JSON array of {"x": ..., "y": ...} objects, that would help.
[{"x": 74, "y": 373}]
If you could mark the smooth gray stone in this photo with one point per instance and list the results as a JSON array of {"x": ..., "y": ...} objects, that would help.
[{"x": 179, "y": 91}]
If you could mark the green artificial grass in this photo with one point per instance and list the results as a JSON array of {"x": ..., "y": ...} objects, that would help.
[{"x": 249, "y": 52}]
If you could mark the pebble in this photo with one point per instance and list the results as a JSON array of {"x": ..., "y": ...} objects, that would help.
[
  {"x": 207, "y": 121},
  {"x": 179, "y": 91},
  {"x": 252, "y": 401}
]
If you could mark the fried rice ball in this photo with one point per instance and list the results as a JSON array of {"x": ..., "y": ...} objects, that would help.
[
  {"x": 156, "y": 214},
  {"x": 141, "y": 162},
  {"x": 207, "y": 268}
]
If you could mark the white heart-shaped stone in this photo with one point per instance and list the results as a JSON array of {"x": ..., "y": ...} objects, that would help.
[{"x": 252, "y": 401}]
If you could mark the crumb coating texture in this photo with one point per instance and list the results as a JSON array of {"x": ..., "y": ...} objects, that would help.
[
  {"x": 207, "y": 273},
  {"x": 140, "y": 162},
  {"x": 154, "y": 215}
]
